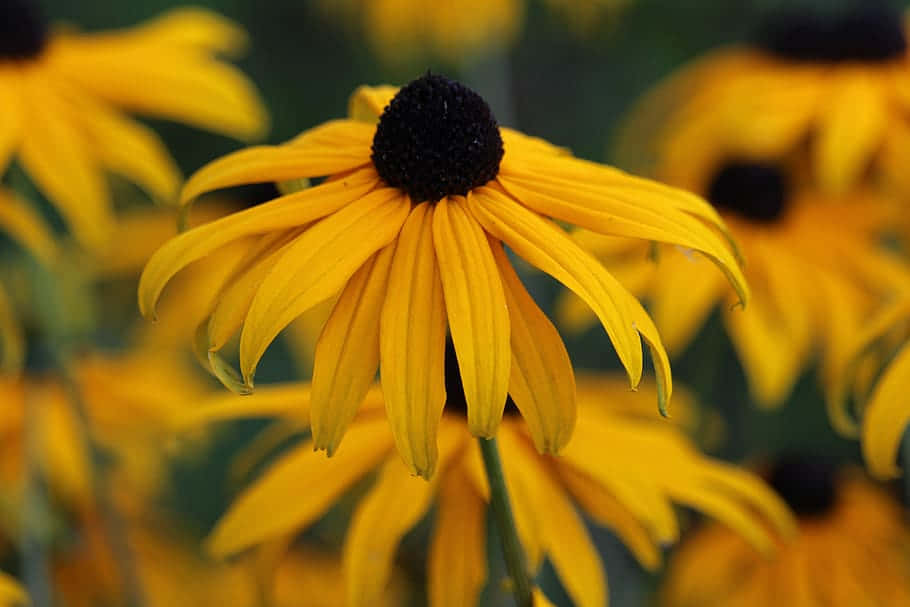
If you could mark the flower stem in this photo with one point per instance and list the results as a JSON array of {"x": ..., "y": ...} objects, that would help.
[
  {"x": 35, "y": 515},
  {"x": 505, "y": 523}
]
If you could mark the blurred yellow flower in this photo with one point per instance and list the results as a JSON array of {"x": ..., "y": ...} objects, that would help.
[
  {"x": 851, "y": 549},
  {"x": 840, "y": 82},
  {"x": 11, "y": 593},
  {"x": 409, "y": 228},
  {"x": 63, "y": 93},
  {"x": 455, "y": 30},
  {"x": 624, "y": 469},
  {"x": 814, "y": 261}
]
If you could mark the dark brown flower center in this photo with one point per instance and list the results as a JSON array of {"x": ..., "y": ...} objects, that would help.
[
  {"x": 869, "y": 31},
  {"x": 757, "y": 192},
  {"x": 807, "y": 484},
  {"x": 437, "y": 138},
  {"x": 23, "y": 30}
]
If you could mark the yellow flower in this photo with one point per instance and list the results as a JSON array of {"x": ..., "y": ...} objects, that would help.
[
  {"x": 884, "y": 412},
  {"x": 454, "y": 31},
  {"x": 11, "y": 593},
  {"x": 851, "y": 549},
  {"x": 409, "y": 228},
  {"x": 814, "y": 262},
  {"x": 840, "y": 81},
  {"x": 630, "y": 487},
  {"x": 63, "y": 94}
]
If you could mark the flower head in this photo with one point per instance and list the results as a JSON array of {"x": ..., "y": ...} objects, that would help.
[
  {"x": 851, "y": 549},
  {"x": 63, "y": 95},
  {"x": 630, "y": 488},
  {"x": 409, "y": 228}
]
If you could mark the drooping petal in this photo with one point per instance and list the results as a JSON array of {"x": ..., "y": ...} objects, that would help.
[
  {"x": 412, "y": 344},
  {"x": 273, "y": 506},
  {"x": 367, "y": 103},
  {"x": 288, "y": 211},
  {"x": 886, "y": 418},
  {"x": 347, "y": 353},
  {"x": 456, "y": 565},
  {"x": 542, "y": 382},
  {"x": 477, "y": 312},
  {"x": 851, "y": 128},
  {"x": 333, "y": 147},
  {"x": 290, "y": 400},
  {"x": 316, "y": 266},
  {"x": 183, "y": 26}
]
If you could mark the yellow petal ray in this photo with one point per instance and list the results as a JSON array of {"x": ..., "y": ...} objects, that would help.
[
  {"x": 25, "y": 225},
  {"x": 181, "y": 84},
  {"x": 540, "y": 600},
  {"x": 288, "y": 211},
  {"x": 394, "y": 505},
  {"x": 127, "y": 147},
  {"x": 886, "y": 417},
  {"x": 752, "y": 490},
  {"x": 233, "y": 301},
  {"x": 477, "y": 312},
  {"x": 851, "y": 128},
  {"x": 542, "y": 382},
  {"x": 184, "y": 26},
  {"x": 278, "y": 491},
  {"x": 521, "y": 485},
  {"x": 11, "y": 593},
  {"x": 12, "y": 340},
  {"x": 61, "y": 162},
  {"x": 456, "y": 566},
  {"x": 316, "y": 266},
  {"x": 412, "y": 344},
  {"x": 11, "y": 107},
  {"x": 620, "y": 211},
  {"x": 325, "y": 150},
  {"x": 606, "y": 510},
  {"x": 282, "y": 400},
  {"x": 347, "y": 354},
  {"x": 544, "y": 245},
  {"x": 569, "y": 547},
  {"x": 367, "y": 103}
]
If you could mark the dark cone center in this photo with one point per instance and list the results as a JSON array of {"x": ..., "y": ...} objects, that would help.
[
  {"x": 437, "y": 138},
  {"x": 754, "y": 191},
  {"x": 807, "y": 484},
  {"x": 869, "y": 31},
  {"x": 455, "y": 399},
  {"x": 23, "y": 30}
]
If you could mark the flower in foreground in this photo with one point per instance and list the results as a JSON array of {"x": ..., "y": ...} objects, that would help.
[
  {"x": 837, "y": 78},
  {"x": 63, "y": 94},
  {"x": 624, "y": 467},
  {"x": 814, "y": 261},
  {"x": 851, "y": 549},
  {"x": 409, "y": 228}
]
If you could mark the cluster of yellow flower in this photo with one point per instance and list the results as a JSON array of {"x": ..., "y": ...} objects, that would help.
[{"x": 396, "y": 250}]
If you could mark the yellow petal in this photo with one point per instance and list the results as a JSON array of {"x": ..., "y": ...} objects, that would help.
[
  {"x": 477, "y": 312},
  {"x": 11, "y": 107},
  {"x": 367, "y": 103},
  {"x": 316, "y": 266},
  {"x": 456, "y": 566},
  {"x": 278, "y": 491},
  {"x": 394, "y": 505},
  {"x": 11, "y": 593},
  {"x": 540, "y": 600},
  {"x": 127, "y": 147},
  {"x": 186, "y": 26},
  {"x": 347, "y": 353},
  {"x": 288, "y": 211},
  {"x": 288, "y": 400},
  {"x": 412, "y": 344},
  {"x": 851, "y": 129},
  {"x": 61, "y": 162},
  {"x": 886, "y": 418},
  {"x": 12, "y": 340},
  {"x": 22, "y": 223},
  {"x": 544, "y": 245},
  {"x": 309, "y": 156},
  {"x": 622, "y": 210},
  {"x": 542, "y": 382}
]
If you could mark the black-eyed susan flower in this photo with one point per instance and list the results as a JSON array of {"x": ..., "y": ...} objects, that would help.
[
  {"x": 851, "y": 549},
  {"x": 64, "y": 94},
  {"x": 837, "y": 78},
  {"x": 409, "y": 228},
  {"x": 882, "y": 404},
  {"x": 398, "y": 30},
  {"x": 630, "y": 487},
  {"x": 814, "y": 262}
]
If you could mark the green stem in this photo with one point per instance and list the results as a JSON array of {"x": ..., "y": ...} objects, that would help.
[
  {"x": 114, "y": 524},
  {"x": 35, "y": 515},
  {"x": 505, "y": 523}
]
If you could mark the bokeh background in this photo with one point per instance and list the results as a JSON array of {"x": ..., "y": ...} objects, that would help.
[{"x": 568, "y": 84}]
